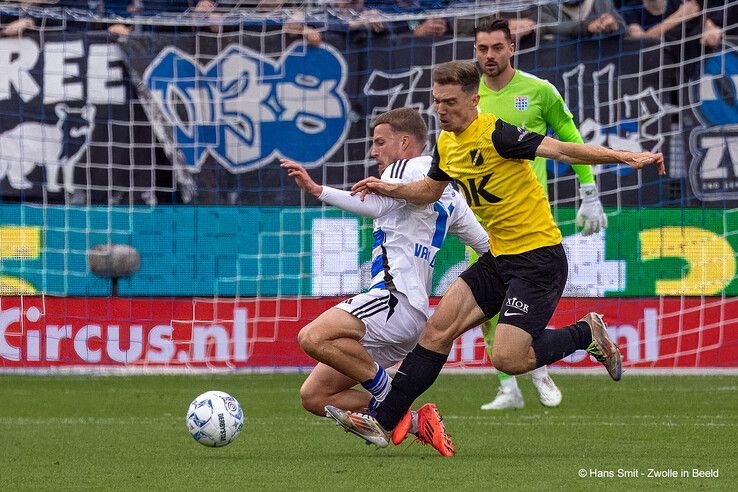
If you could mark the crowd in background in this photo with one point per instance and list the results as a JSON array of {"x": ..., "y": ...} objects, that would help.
[
  {"x": 684, "y": 29},
  {"x": 705, "y": 21}
]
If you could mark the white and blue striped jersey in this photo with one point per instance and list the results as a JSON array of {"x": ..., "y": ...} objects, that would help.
[{"x": 407, "y": 239}]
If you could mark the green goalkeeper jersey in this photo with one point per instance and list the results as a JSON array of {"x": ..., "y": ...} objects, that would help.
[{"x": 535, "y": 104}]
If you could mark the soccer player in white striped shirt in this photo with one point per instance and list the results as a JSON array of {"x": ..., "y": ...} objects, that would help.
[{"x": 359, "y": 338}]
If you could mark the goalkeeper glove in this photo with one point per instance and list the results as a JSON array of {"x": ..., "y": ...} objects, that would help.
[{"x": 590, "y": 217}]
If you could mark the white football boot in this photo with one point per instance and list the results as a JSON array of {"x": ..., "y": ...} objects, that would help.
[
  {"x": 507, "y": 398},
  {"x": 548, "y": 393}
]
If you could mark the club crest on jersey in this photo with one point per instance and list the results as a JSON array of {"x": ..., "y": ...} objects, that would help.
[
  {"x": 476, "y": 157},
  {"x": 521, "y": 103}
]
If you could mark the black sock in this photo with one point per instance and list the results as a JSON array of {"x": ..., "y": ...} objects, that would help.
[
  {"x": 416, "y": 374},
  {"x": 554, "y": 345}
]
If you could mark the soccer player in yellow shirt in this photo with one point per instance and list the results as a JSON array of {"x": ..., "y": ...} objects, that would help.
[
  {"x": 526, "y": 101},
  {"x": 521, "y": 277}
]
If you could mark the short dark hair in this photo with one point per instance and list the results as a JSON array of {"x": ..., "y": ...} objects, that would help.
[
  {"x": 404, "y": 120},
  {"x": 490, "y": 24},
  {"x": 463, "y": 73}
]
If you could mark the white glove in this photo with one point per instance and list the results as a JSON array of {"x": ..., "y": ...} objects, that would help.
[{"x": 590, "y": 217}]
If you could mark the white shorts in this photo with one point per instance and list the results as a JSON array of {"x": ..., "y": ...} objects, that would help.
[{"x": 393, "y": 325}]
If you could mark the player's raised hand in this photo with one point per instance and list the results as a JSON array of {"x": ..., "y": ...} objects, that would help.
[
  {"x": 372, "y": 184},
  {"x": 638, "y": 160},
  {"x": 301, "y": 177}
]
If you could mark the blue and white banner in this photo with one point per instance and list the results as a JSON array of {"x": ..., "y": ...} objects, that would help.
[
  {"x": 246, "y": 110},
  {"x": 203, "y": 119},
  {"x": 713, "y": 171}
]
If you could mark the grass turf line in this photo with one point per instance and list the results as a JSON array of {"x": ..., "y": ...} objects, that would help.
[{"x": 128, "y": 433}]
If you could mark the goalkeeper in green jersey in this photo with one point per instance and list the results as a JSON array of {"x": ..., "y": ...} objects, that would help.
[{"x": 534, "y": 104}]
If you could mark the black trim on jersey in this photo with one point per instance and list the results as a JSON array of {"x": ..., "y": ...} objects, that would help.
[
  {"x": 398, "y": 168},
  {"x": 392, "y": 303},
  {"x": 389, "y": 283},
  {"x": 376, "y": 310},
  {"x": 512, "y": 142},
  {"x": 435, "y": 173},
  {"x": 369, "y": 308},
  {"x": 393, "y": 168},
  {"x": 404, "y": 164}
]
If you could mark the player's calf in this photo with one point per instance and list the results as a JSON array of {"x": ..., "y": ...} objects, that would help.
[
  {"x": 457, "y": 313},
  {"x": 511, "y": 350},
  {"x": 437, "y": 337}
]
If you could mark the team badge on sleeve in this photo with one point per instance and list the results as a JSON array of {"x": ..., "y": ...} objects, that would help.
[{"x": 521, "y": 103}]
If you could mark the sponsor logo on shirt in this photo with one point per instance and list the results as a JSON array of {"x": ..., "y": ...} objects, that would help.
[{"x": 521, "y": 103}]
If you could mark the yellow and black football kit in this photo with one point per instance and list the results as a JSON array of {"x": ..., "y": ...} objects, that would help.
[
  {"x": 489, "y": 162},
  {"x": 524, "y": 274}
]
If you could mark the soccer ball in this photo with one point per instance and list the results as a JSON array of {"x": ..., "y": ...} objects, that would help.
[{"x": 214, "y": 418}]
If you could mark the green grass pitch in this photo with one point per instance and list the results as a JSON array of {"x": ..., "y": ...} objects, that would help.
[{"x": 128, "y": 433}]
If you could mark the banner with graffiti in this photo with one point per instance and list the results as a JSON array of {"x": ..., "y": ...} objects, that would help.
[
  {"x": 231, "y": 107},
  {"x": 92, "y": 119},
  {"x": 71, "y": 131},
  {"x": 186, "y": 333},
  {"x": 713, "y": 144}
]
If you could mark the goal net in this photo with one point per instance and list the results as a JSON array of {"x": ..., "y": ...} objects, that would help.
[{"x": 159, "y": 126}]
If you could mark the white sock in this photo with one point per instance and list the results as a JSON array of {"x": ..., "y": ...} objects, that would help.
[
  {"x": 539, "y": 373},
  {"x": 414, "y": 425},
  {"x": 510, "y": 383}
]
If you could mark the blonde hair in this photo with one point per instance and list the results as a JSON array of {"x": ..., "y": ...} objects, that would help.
[{"x": 404, "y": 120}]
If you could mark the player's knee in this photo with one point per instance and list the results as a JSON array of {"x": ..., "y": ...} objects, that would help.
[
  {"x": 311, "y": 401},
  {"x": 309, "y": 340},
  {"x": 508, "y": 362}
]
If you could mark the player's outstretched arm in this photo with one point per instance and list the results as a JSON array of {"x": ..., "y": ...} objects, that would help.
[
  {"x": 301, "y": 177},
  {"x": 594, "y": 154},
  {"x": 419, "y": 192},
  {"x": 591, "y": 216},
  {"x": 374, "y": 207}
]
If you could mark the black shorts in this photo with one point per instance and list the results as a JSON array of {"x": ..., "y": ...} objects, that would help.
[{"x": 524, "y": 288}]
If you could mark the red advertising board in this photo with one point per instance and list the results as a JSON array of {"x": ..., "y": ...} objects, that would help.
[
  {"x": 665, "y": 333},
  {"x": 47, "y": 332},
  {"x": 147, "y": 332}
]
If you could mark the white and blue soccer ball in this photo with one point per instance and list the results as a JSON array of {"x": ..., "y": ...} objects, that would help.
[{"x": 214, "y": 419}]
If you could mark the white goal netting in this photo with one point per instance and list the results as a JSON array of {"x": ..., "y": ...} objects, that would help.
[{"x": 160, "y": 127}]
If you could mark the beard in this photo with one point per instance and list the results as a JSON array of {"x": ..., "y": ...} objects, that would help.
[{"x": 495, "y": 70}]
